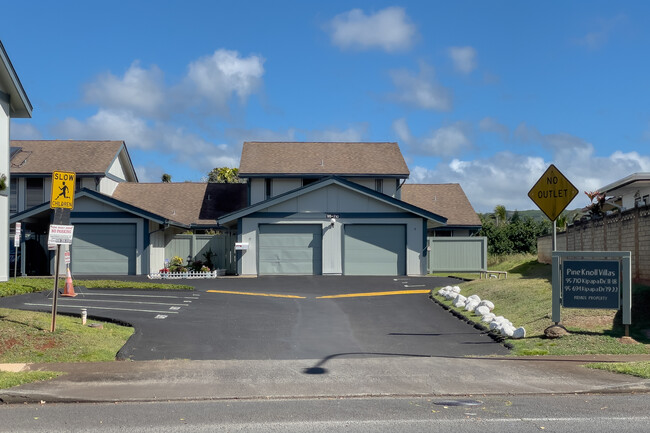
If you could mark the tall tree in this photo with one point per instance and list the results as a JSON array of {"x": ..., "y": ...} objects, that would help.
[
  {"x": 166, "y": 178},
  {"x": 500, "y": 214},
  {"x": 224, "y": 175}
]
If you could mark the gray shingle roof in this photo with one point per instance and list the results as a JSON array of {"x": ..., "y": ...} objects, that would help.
[
  {"x": 322, "y": 158},
  {"x": 46, "y": 156},
  {"x": 448, "y": 200},
  {"x": 186, "y": 203}
]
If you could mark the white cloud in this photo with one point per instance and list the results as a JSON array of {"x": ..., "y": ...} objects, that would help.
[
  {"x": 420, "y": 91},
  {"x": 447, "y": 141},
  {"x": 464, "y": 59},
  {"x": 109, "y": 125},
  {"x": 212, "y": 80},
  {"x": 604, "y": 29},
  {"x": 490, "y": 124},
  {"x": 353, "y": 133},
  {"x": 139, "y": 90},
  {"x": 389, "y": 29},
  {"x": 24, "y": 131}
]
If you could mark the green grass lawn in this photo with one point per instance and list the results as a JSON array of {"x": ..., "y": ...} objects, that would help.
[
  {"x": 525, "y": 299},
  {"x": 25, "y": 336},
  {"x": 23, "y": 285}
]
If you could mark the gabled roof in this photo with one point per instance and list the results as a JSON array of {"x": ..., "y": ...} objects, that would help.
[
  {"x": 9, "y": 81},
  {"x": 191, "y": 204},
  {"x": 322, "y": 183},
  {"x": 82, "y": 157},
  {"x": 85, "y": 192},
  {"x": 276, "y": 159},
  {"x": 448, "y": 200}
]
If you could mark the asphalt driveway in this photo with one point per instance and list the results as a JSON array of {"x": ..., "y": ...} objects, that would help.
[{"x": 281, "y": 318}]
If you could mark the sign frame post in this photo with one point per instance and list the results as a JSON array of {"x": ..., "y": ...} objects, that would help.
[{"x": 623, "y": 258}]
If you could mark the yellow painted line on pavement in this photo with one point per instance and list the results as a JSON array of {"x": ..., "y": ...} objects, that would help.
[
  {"x": 356, "y": 295},
  {"x": 270, "y": 295}
]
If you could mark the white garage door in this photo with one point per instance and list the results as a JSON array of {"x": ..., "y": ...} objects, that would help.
[
  {"x": 103, "y": 249},
  {"x": 374, "y": 249},
  {"x": 289, "y": 249}
]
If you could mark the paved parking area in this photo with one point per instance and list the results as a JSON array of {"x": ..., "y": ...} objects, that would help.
[{"x": 281, "y": 318}]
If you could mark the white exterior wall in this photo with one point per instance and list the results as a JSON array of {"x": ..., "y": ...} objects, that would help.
[
  {"x": 117, "y": 170},
  {"x": 628, "y": 199},
  {"x": 107, "y": 186},
  {"x": 4, "y": 195},
  {"x": 156, "y": 247},
  {"x": 312, "y": 209}
]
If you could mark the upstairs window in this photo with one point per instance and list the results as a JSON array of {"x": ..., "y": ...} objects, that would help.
[
  {"x": 306, "y": 182},
  {"x": 33, "y": 192},
  {"x": 379, "y": 185},
  {"x": 267, "y": 188}
]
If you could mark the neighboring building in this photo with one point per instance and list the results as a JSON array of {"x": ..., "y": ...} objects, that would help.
[
  {"x": 448, "y": 200},
  {"x": 13, "y": 104},
  {"x": 627, "y": 193},
  {"x": 329, "y": 208}
]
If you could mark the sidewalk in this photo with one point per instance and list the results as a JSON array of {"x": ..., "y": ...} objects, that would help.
[{"x": 335, "y": 377}]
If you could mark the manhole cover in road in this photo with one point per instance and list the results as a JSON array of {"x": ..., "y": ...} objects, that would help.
[{"x": 458, "y": 403}]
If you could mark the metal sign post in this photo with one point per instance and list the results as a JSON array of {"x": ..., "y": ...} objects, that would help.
[
  {"x": 17, "y": 237},
  {"x": 56, "y": 287}
]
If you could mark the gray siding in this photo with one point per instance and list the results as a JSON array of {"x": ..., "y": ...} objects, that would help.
[{"x": 457, "y": 254}]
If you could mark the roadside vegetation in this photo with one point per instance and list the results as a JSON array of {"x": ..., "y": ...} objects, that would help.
[
  {"x": 525, "y": 299},
  {"x": 23, "y": 285},
  {"x": 25, "y": 336}
]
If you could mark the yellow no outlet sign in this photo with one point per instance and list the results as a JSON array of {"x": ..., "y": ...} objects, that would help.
[
  {"x": 552, "y": 193},
  {"x": 63, "y": 183}
]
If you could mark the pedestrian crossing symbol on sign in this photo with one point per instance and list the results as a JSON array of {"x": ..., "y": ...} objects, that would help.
[{"x": 63, "y": 183}]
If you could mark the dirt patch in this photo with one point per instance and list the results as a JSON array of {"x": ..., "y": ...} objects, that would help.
[
  {"x": 590, "y": 322},
  {"x": 8, "y": 344}
]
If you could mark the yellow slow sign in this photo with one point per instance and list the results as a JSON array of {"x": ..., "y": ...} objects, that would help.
[{"x": 63, "y": 189}]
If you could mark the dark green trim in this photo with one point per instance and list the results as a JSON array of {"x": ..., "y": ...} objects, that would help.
[
  {"x": 425, "y": 252},
  {"x": 108, "y": 215}
]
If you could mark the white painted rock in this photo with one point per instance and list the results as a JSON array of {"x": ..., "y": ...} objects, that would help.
[
  {"x": 487, "y": 318},
  {"x": 455, "y": 289},
  {"x": 494, "y": 325},
  {"x": 486, "y": 303},
  {"x": 507, "y": 330},
  {"x": 474, "y": 298},
  {"x": 481, "y": 310},
  {"x": 519, "y": 333},
  {"x": 459, "y": 301},
  {"x": 471, "y": 305}
]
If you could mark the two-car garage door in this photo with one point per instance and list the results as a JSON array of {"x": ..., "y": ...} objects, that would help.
[
  {"x": 296, "y": 249},
  {"x": 104, "y": 249}
]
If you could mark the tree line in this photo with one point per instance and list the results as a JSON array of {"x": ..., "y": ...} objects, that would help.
[{"x": 514, "y": 234}]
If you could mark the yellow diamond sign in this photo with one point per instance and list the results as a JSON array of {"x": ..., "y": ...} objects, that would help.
[
  {"x": 63, "y": 190},
  {"x": 552, "y": 193}
]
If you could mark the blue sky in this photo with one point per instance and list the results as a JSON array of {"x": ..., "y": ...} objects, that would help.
[{"x": 483, "y": 93}]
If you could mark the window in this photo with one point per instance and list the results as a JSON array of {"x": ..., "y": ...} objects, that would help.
[
  {"x": 646, "y": 200},
  {"x": 379, "y": 185},
  {"x": 306, "y": 182},
  {"x": 33, "y": 192},
  {"x": 13, "y": 195},
  {"x": 267, "y": 188}
]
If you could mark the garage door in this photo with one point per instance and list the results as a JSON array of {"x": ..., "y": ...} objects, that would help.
[
  {"x": 289, "y": 249},
  {"x": 103, "y": 249},
  {"x": 374, "y": 249}
]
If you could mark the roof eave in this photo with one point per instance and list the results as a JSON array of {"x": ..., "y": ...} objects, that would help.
[{"x": 20, "y": 105}]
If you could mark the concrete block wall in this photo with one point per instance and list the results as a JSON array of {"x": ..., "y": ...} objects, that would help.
[{"x": 628, "y": 231}]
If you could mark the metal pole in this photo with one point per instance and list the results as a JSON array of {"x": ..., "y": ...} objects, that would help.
[
  {"x": 554, "y": 247},
  {"x": 56, "y": 286},
  {"x": 16, "y": 262}
]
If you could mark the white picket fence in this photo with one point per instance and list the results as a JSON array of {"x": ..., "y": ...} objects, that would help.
[{"x": 186, "y": 275}]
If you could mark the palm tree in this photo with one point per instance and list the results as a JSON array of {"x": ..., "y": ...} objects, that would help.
[
  {"x": 224, "y": 175},
  {"x": 500, "y": 214}
]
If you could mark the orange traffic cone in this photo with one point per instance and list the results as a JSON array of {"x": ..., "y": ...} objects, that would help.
[{"x": 69, "y": 288}]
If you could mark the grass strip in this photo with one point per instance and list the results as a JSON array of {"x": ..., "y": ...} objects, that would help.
[
  {"x": 525, "y": 299},
  {"x": 24, "y": 285},
  {"x": 11, "y": 379},
  {"x": 638, "y": 369},
  {"x": 25, "y": 337}
]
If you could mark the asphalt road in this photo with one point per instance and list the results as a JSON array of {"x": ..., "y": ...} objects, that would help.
[
  {"x": 506, "y": 414},
  {"x": 280, "y": 318}
]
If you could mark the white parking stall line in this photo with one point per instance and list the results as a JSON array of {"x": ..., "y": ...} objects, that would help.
[
  {"x": 121, "y": 302},
  {"x": 161, "y": 316},
  {"x": 103, "y": 308},
  {"x": 138, "y": 296},
  {"x": 415, "y": 285},
  {"x": 174, "y": 308}
]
